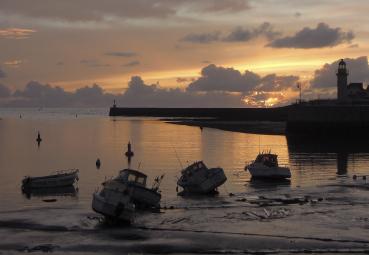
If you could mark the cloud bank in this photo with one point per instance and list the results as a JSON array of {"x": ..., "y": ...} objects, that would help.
[
  {"x": 319, "y": 37},
  {"x": 217, "y": 78},
  {"x": 307, "y": 38},
  {"x": 216, "y": 87},
  {"x": 238, "y": 34}
]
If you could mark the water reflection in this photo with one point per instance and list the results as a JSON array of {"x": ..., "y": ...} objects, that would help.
[
  {"x": 270, "y": 184},
  {"x": 67, "y": 191},
  {"x": 340, "y": 153},
  {"x": 81, "y": 141}
]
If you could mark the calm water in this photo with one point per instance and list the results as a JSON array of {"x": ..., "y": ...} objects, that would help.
[
  {"x": 335, "y": 218},
  {"x": 76, "y": 142}
]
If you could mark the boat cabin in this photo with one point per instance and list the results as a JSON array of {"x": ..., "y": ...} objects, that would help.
[
  {"x": 267, "y": 159},
  {"x": 194, "y": 167},
  {"x": 130, "y": 175}
]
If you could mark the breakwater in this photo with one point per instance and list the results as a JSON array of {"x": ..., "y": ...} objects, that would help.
[
  {"x": 337, "y": 120},
  {"x": 302, "y": 119},
  {"x": 234, "y": 114}
]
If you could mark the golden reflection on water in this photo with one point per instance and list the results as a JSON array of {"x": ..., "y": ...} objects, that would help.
[{"x": 159, "y": 148}]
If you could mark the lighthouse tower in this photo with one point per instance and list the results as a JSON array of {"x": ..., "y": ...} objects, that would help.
[{"x": 342, "y": 74}]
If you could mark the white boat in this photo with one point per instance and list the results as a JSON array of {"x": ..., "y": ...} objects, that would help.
[
  {"x": 121, "y": 196},
  {"x": 114, "y": 202},
  {"x": 266, "y": 166},
  {"x": 197, "y": 178},
  {"x": 59, "y": 179}
]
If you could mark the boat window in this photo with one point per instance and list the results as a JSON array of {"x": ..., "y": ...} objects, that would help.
[
  {"x": 141, "y": 180},
  {"x": 131, "y": 178}
]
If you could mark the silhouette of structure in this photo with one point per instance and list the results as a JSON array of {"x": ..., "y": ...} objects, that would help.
[
  {"x": 129, "y": 154},
  {"x": 98, "y": 163},
  {"x": 38, "y": 139},
  {"x": 349, "y": 93}
]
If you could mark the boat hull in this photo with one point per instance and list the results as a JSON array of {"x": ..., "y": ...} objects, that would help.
[
  {"x": 143, "y": 197},
  {"x": 58, "y": 180},
  {"x": 263, "y": 172},
  {"x": 112, "y": 211},
  {"x": 213, "y": 180}
]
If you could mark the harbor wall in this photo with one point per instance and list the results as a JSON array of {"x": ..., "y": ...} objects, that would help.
[
  {"x": 338, "y": 120},
  {"x": 235, "y": 114}
]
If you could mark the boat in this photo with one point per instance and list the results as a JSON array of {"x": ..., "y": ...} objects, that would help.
[
  {"x": 114, "y": 203},
  {"x": 121, "y": 196},
  {"x": 266, "y": 166},
  {"x": 197, "y": 178},
  {"x": 59, "y": 179}
]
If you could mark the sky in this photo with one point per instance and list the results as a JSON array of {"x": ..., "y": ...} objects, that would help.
[{"x": 226, "y": 53}]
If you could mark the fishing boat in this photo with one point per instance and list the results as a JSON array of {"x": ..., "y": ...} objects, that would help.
[
  {"x": 266, "y": 166},
  {"x": 197, "y": 178},
  {"x": 121, "y": 196},
  {"x": 59, "y": 179}
]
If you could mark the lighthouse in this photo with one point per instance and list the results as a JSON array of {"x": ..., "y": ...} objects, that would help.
[{"x": 342, "y": 74}]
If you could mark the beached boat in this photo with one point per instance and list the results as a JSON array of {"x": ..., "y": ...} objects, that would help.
[
  {"x": 266, "y": 166},
  {"x": 122, "y": 195},
  {"x": 114, "y": 202},
  {"x": 59, "y": 179},
  {"x": 197, "y": 178}
]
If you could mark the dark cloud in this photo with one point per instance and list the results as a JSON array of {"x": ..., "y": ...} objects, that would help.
[
  {"x": 216, "y": 78},
  {"x": 141, "y": 94},
  {"x": 36, "y": 94},
  {"x": 217, "y": 87},
  {"x": 124, "y": 54},
  {"x": 273, "y": 82},
  {"x": 238, "y": 34},
  {"x": 93, "y": 63},
  {"x": 325, "y": 77},
  {"x": 202, "y": 38},
  {"x": 132, "y": 63},
  {"x": 2, "y": 74},
  {"x": 97, "y": 10},
  {"x": 4, "y": 91},
  {"x": 137, "y": 94},
  {"x": 319, "y": 37}
]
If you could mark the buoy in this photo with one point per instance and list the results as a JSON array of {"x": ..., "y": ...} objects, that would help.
[
  {"x": 38, "y": 138},
  {"x": 129, "y": 152},
  {"x": 98, "y": 163}
]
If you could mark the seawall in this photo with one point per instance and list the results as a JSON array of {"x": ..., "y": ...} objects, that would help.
[
  {"x": 234, "y": 114},
  {"x": 338, "y": 120}
]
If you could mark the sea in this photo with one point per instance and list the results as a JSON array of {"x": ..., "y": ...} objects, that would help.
[{"x": 322, "y": 209}]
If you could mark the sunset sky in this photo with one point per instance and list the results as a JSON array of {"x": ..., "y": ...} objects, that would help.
[{"x": 202, "y": 46}]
